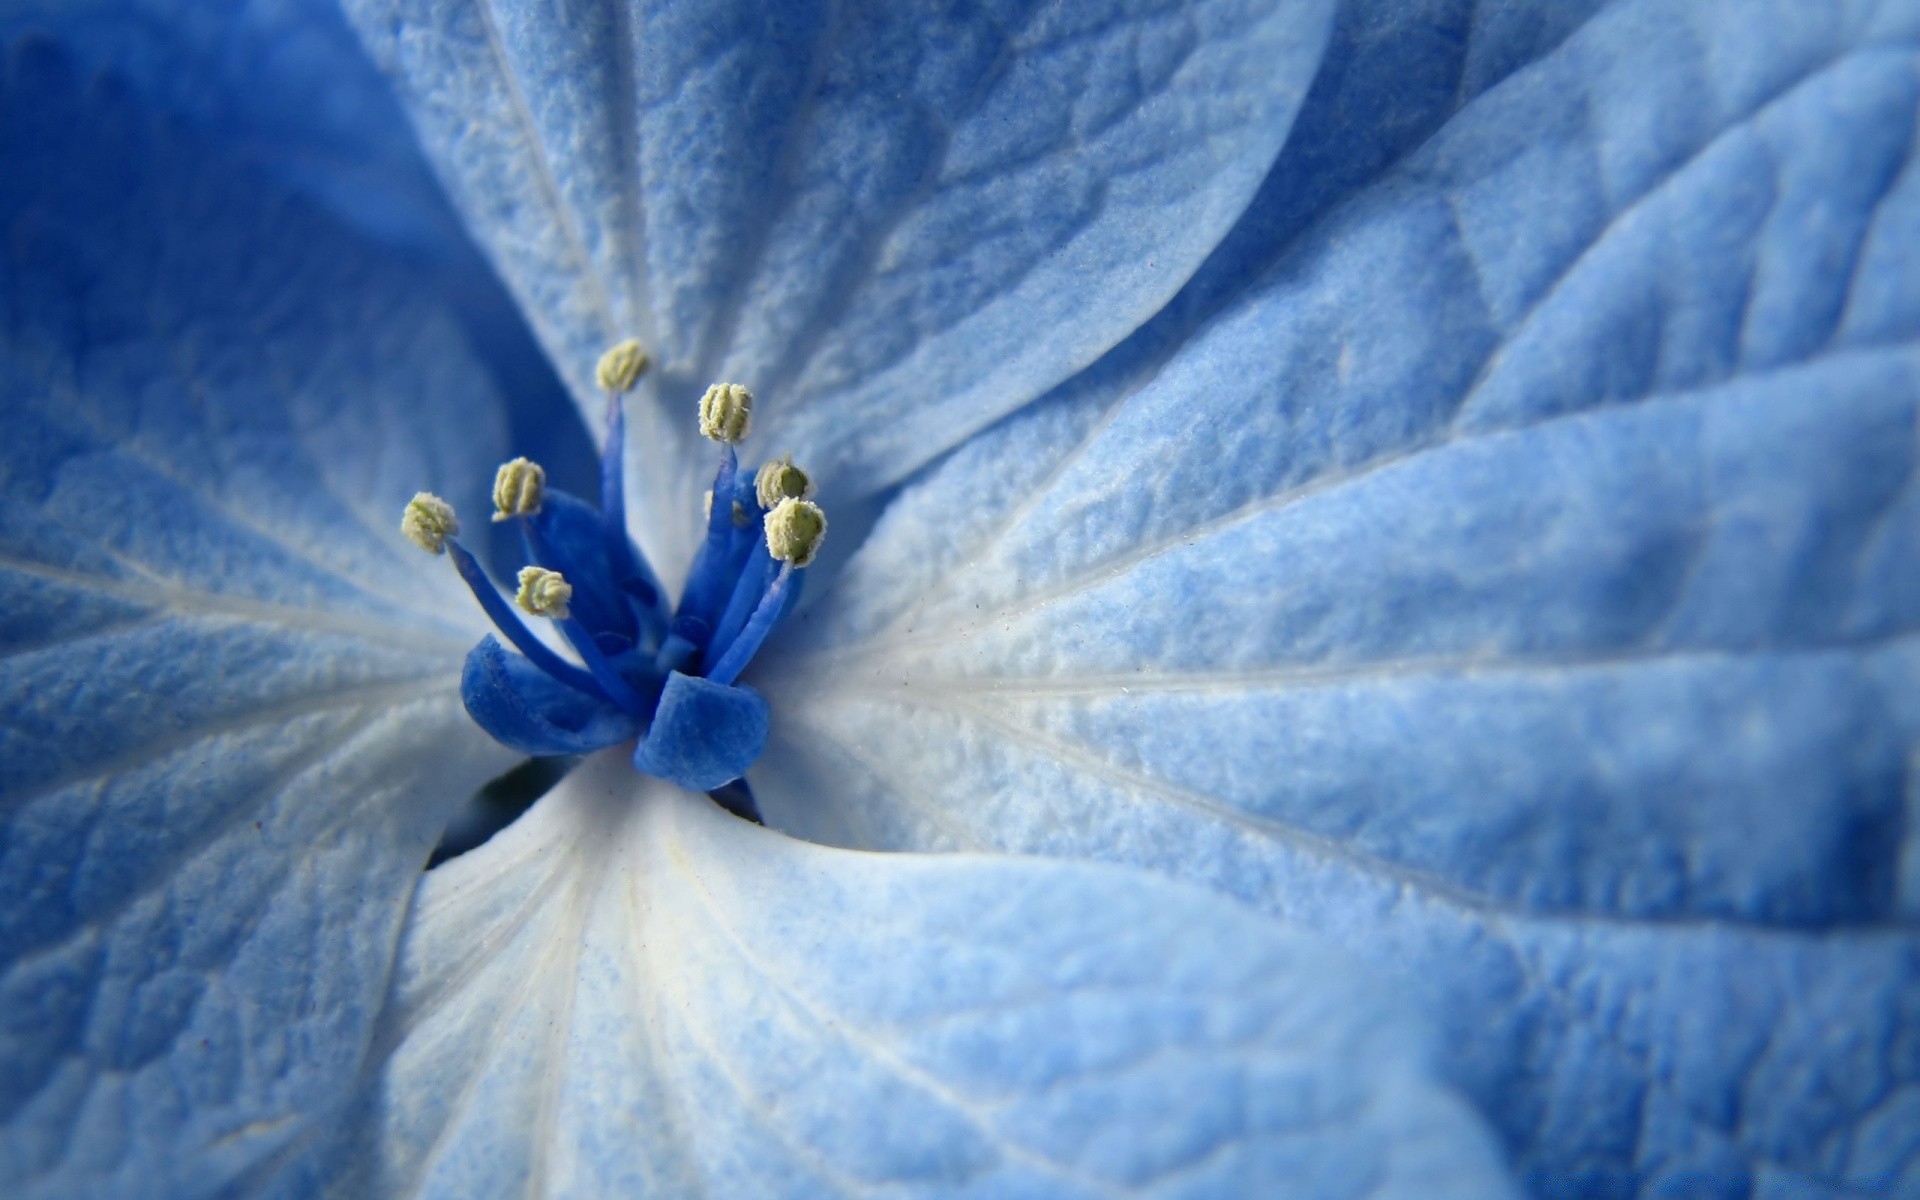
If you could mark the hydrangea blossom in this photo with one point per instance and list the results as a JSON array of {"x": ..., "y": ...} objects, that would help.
[{"x": 1425, "y": 476}]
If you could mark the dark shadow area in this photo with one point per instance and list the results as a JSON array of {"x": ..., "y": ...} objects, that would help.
[
  {"x": 498, "y": 805},
  {"x": 737, "y": 798},
  {"x": 502, "y": 802}
]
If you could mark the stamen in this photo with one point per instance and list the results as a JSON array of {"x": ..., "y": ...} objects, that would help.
[
  {"x": 621, "y": 367},
  {"x": 726, "y": 413},
  {"x": 518, "y": 488},
  {"x": 760, "y": 534},
  {"x": 544, "y": 593},
  {"x": 795, "y": 530},
  {"x": 631, "y": 571},
  {"x": 747, "y": 590},
  {"x": 766, "y": 614},
  {"x": 710, "y": 580},
  {"x": 508, "y": 622},
  {"x": 778, "y": 479},
  {"x": 428, "y": 522}
]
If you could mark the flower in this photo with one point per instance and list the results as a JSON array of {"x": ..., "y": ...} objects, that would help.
[{"x": 1434, "y": 478}]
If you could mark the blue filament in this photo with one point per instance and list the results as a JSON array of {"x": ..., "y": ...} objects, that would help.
[
  {"x": 610, "y": 680},
  {"x": 630, "y": 570},
  {"x": 754, "y": 578},
  {"x": 772, "y": 606},
  {"x": 709, "y": 582},
  {"x": 508, "y": 622}
]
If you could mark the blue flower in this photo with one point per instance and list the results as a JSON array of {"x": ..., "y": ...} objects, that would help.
[{"x": 1426, "y": 476}]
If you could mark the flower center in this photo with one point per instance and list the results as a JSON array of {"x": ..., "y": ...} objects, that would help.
[{"x": 661, "y": 676}]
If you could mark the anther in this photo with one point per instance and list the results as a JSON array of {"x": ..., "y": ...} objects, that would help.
[
  {"x": 428, "y": 522},
  {"x": 795, "y": 529},
  {"x": 544, "y": 593},
  {"x": 778, "y": 479},
  {"x": 621, "y": 367},
  {"x": 726, "y": 413},
  {"x": 518, "y": 488}
]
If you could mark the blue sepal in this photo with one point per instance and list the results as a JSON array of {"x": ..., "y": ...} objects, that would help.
[
  {"x": 523, "y": 707},
  {"x": 570, "y": 539},
  {"x": 704, "y": 734}
]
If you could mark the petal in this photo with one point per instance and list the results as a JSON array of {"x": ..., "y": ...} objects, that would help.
[
  {"x": 1520, "y": 586},
  {"x": 703, "y": 734},
  {"x": 865, "y": 212},
  {"x": 630, "y": 992},
  {"x": 286, "y": 85},
  {"x": 527, "y": 709},
  {"x": 1394, "y": 72},
  {"x": 229, "y": 731}
]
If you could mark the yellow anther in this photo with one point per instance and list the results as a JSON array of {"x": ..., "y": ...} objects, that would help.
[
  {"x": 518, "y": 488},
  {"x": 544, "y": 593},
  {"x": 621, "y": 367},
  {"x": 795, "y": 529},
  {"x": 428, "y": 522},
  {"x": 726, "y": 413},
  {"x": 778, "y": 479}
]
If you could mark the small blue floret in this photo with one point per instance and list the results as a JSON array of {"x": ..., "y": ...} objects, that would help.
[{"x": 661, "y": 678}]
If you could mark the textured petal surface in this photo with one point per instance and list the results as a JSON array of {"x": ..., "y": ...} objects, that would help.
[
  {"x": 1393, "y": 73},
  {"x": 703, "y": 734},
  {"x": 522, "y": 706},
  {"x": 286, "y": 86},
  {"x": 284, "y": 83},
  {"x": 868, "y": 212},
  {"x": 1520, "y": 585},
  {"x": 632, "y": 993},
  {"x": 229, "y": 730}
]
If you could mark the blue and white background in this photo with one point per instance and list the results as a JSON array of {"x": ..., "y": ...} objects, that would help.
[{"x": 1370, "y": 645}]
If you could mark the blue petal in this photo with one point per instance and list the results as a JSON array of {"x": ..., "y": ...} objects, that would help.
[
  {"x": 865, "y": 212},
  {"x": 631, "y": 993},
  {"x": 229, "y": 734},
  {"x": 703, "y": 734},
  {"x": 1394, "y": 72},
  {"x": 527, "y": 709},
  {"x": 1520, "y": 585},
  {"x": 284, "y": 84}
]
